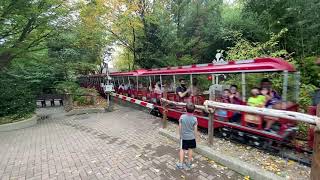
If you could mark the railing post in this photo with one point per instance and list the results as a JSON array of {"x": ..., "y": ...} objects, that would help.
[
  {"x": 94, "y": 99},
  {"x": 315, "y": 167},
  {"x": 164, "y": 115},
  {"x": 109, "y": 103},
  {"x": 116, "y": 99},
  {"x": 210, "y": 128},
  {"x": 69, "y": 102}
]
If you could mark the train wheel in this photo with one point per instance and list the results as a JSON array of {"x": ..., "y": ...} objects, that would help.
[
  {"x": 256, "y": 141},
  {"x": 267, "y": 145},
  {"x": 225, "y": 132}
]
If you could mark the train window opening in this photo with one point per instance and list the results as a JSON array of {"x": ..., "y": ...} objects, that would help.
[
  {"x": 143, "y": 84},
  {"x": 168, "y": 87},
  {"x": 199, "y": 87}
]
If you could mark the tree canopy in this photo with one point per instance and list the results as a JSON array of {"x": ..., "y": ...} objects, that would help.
[{"x": 46, "y": 43}]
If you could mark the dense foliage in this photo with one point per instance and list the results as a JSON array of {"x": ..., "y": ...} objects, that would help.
[
  {"x": 176, "y": 32},
  {"x": 44, "y": 44}
]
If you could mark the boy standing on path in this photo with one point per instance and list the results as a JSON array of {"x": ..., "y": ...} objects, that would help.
[{"x": 188, "y": 133}]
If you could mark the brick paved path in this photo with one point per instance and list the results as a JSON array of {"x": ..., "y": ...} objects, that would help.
[{"x": 124, "y": 144}]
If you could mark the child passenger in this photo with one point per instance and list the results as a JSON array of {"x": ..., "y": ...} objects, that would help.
[
  {"x": 188, "y": 134},
  {"x": 256, "y": 99},
  {"x": 226, "y": 96}
]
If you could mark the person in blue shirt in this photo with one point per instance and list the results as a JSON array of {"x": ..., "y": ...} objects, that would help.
[
  {"x": 188, "y": 133},
  {"x": 273, "y": 101},
  {"x": 316, "y": 98},
  {"x": 274, "y": 97}
]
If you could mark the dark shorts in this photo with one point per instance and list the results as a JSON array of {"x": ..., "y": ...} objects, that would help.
[{"x": 188, "y": 144}]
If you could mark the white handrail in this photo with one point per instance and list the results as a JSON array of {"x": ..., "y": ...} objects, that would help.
[{"x": 295, "y": 116}]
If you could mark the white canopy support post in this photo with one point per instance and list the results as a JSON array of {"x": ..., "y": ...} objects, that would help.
[
  {"x": 174, "y": 83},
  {"x": 161, "y": 81},
  {"x": 297, "y": 84},
  {"x": 150, "y": 82},
  {"x": 129, "y": 81},
  {"x": 191, "y": 84},
  {"x": 285, "y": 86},
  {"x": 137, "y": 84},
  {"x": 123, "y": 80},
  {"x": 212, "y": 78},
  {"x": 217, "y": 78},
  {"x": 243, "y": 86}
]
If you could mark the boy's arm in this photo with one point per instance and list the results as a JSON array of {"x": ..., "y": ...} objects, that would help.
[
  {"x": 196, "y": 134},
  {"x": 179, "y": 129}
]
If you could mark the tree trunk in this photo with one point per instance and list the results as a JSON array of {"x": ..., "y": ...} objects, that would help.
[
  {"x": 134, "y": 46},
  {"x": 5, "y": 59}
]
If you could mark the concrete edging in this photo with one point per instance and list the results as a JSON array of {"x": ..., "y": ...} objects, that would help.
[
  {"x": 232, "y": 163},
  {"x": 85, "y": 111},
  {"x": 20, "y": 124}
]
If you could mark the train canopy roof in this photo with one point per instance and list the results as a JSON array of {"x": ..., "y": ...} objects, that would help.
[{"x": 253, "y": 65}]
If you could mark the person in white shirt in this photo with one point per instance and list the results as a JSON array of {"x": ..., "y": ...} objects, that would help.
[{"x": 158, "y": 88}]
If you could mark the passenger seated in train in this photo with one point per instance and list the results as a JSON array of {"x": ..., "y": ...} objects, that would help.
[
  {"x": 273, "y": 101},
  {"x": 225, "y": 98},
  {"x": 170, "y": 87},
  {"x": 158, "y": 89},
  {"x": 141, "y": 87},
  {"x": 235, "y": 98},
  {"x": 121, "y": 88},
  {"x": 152, "y": 86},
  {"x": 256, "y": 100},
  {"x": 126, "y": 87},
  {"x": 272, "y": 96},
  {"x": 195, "y": 91},
  {"x": 182, "y": 91},
  {"x": 316, "y": 98}
]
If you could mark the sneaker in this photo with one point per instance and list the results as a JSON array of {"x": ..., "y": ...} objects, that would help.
[
  {"x": 189, "y": 165},
  {"x": 179, "y": 166}
]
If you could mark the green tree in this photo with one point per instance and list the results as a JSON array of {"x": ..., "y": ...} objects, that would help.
[
  {"x": 300, "y": 17},
  {"x": 25, "y": 25}
]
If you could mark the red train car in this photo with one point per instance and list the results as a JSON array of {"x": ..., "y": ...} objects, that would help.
[{"x": 151, "y": 85}]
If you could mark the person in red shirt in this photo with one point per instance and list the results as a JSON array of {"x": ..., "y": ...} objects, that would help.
[{"x": 235, "y": 97}]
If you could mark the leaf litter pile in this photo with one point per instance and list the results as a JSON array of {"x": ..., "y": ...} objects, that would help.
[{"x": 283, "y": 167}]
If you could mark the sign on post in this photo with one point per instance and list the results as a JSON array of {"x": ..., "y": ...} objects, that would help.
[{"x": 108, "y": 88}]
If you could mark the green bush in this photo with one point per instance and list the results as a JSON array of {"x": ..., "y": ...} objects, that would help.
[
  {"x": 78, "y": 93},
  {"x": 17, "y": 100}
]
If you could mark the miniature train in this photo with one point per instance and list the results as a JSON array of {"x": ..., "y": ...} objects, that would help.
[{"x": 150, "y": 85}]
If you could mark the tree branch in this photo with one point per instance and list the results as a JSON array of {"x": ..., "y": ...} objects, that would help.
[
  {"x": 36, "y": 41},
  {"x": 123, "y": 42}
]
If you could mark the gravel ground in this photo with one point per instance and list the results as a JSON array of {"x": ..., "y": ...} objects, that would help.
[{"x": 280, "y": 166}]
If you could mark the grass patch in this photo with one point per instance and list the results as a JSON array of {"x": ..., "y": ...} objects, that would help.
[{"x": 14, "y": 118}]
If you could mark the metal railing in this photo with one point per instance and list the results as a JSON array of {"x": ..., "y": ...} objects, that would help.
[{"x": 211, "y": 106}]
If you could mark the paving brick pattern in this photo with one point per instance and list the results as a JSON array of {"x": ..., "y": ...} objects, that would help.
[{"x": 123, "y": 144}]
